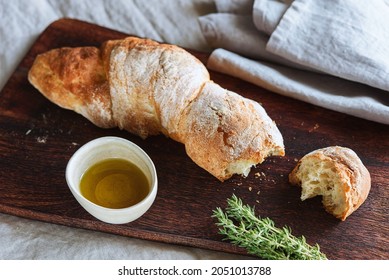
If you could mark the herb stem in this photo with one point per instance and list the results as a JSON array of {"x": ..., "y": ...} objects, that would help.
[{"x": 259, "y": 236}]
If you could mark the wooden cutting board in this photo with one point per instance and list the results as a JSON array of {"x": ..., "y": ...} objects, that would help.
[{"x": 37, "y": 138}]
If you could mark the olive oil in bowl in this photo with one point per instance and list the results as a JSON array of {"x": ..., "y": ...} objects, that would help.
[{"x": 114, "y": 183}]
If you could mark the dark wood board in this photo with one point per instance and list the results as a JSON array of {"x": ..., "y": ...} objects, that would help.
[{"x": 37, "y": 138}]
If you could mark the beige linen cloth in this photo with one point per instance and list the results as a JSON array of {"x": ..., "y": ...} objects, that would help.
[{"x": 333, "y": 53}]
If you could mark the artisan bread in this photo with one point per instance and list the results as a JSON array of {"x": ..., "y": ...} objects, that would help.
[
  {"x": 338, "y": 175},
  {"x": 148, "y": 88}
]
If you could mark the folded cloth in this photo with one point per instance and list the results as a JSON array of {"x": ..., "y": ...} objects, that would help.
[
  {"x": 322, "y": 90},
  {"x": 345, "y": 38},
  {"x": 267, "y": 14},
  {"x": 242, "y": 7},
  {"x": 262, "y": 40},
  {"x": 237, "y": 33}
]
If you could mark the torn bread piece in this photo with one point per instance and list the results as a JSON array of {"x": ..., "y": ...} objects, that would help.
[{"x": 338, "y": 175}]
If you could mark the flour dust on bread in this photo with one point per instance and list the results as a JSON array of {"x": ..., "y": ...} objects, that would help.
[
  {"x": 148, "y": 88},
  {"x": 338, "y": 175}
]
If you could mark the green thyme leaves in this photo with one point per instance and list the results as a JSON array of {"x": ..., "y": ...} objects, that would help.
[{"x": 259, "y": 236}]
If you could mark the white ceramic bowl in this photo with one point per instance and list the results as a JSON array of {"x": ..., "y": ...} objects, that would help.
[{"x": 104, "y": 148}]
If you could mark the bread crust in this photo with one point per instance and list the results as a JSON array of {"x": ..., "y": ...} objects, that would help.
[
  {"x": 354, "y": 177},
  {"x": 74, "y": 78},
  {"x": 149, "y": 88},
  {"x": 158, "y": 87},
  {"x": 238, "y": 132}
]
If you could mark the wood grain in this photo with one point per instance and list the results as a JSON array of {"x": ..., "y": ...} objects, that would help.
[{"x": 37, "y": 138}]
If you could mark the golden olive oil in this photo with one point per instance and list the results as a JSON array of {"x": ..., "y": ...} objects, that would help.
[{"x": 114, "y": 183}]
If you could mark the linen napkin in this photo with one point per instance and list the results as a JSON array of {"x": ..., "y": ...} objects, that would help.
[
  {"x": 345, "y": 38},
  {"x": 322, "y": 90},
  {"x": 275, "y": 47}
]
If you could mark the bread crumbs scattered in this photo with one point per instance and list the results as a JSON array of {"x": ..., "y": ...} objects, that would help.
[
  {"x": 258, "y": 192},
  {"x": 250, "y": 189},
  {"x": 257, "y": 201},
  {"x": 257, "y": 175}
]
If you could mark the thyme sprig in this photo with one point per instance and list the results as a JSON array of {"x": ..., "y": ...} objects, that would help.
[{"x": 259, "y": 236}]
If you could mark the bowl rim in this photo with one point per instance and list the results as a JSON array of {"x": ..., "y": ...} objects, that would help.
[{"x": 92, "y": 144}]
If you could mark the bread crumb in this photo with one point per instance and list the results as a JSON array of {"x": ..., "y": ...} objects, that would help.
[
  {"x": 250, "y": 189},
  {"x": 258, "y": 192},
  {"x": 28, "y": 131},
  {"x": 257, "y": 175},
  {"x": 296, "y": 159},
  {"x": 42, "y": 139},
  {"x": 75, "y": 144},
  {"x": 257, "y": 201},
  {"x": 263, "y": 174},
  {"x": 316, "y": 126},
  {"x": 44, "y": 118}
]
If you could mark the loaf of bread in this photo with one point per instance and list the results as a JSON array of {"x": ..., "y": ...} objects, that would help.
[
  {"x": 337, "y": 174},
  {"x": 149, "y": 88}
]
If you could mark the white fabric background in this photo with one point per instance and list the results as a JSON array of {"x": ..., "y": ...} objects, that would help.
[{"x": 21, "y": 21}]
